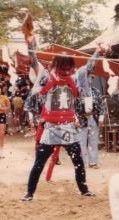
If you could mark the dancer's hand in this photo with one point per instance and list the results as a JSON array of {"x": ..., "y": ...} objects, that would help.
[
  {"x": 103, "y": 48},
  {"x": 77, "y": 124}
]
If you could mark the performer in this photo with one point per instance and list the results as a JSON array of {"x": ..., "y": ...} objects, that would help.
[
  {"x": 90, "y": 112},
  {"x": 4, "y": 108},
  {"x": 58, "y": 114}
]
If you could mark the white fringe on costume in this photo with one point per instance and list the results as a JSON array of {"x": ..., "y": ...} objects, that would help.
[{"x": 113, "y": 81}]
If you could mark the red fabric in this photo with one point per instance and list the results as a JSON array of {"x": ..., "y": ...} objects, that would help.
[
  {"x": 23, "y": 63},
  {"x": 54, "y": 158},
  {"x": 60, "y": 116},
  {"x": 39, "y": 132},
  {"x": 67, "y": 80},
  {"x": 40, "y": 127},
  {"x": 54, "y": 117}
]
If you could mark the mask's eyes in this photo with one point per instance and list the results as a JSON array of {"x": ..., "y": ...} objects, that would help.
[{"x": 91, "y": 76}]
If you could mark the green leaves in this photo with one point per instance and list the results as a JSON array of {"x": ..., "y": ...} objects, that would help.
[{"x": 59, "y": 21}]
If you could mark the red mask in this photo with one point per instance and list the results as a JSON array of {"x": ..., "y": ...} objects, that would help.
[{"x": 64, "y": 72}]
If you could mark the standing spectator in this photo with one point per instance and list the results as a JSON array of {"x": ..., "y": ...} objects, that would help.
[
  {"x": 4, "y": 108},
  {"x": 90, "y": 112},
  {"x": 18, "y": 103}
]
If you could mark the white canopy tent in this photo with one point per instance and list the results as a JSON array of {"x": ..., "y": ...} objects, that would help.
[{"x": 109, "y": 36}]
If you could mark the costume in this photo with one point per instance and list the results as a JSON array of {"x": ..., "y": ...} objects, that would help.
[
  {"x": 32, "y": 45},
  {"x": 89, "y": 125},
  {"x": 58, "y": 112},
  {"x": 89, "y": 131}
]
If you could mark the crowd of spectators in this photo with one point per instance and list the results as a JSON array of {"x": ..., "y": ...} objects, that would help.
[{"x": 17, "y": 117}]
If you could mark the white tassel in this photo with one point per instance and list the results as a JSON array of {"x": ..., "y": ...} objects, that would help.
[
  {"x": 113, "y": 81},
  {"x": 106, "y": 67}
]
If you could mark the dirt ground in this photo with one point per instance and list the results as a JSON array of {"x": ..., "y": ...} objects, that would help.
[{"x": 55, "y": 200}]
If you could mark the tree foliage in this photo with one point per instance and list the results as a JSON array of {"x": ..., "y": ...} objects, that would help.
[{"x": 60, "y": 21}]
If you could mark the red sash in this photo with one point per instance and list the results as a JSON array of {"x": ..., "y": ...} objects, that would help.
[
  {"x": 60, "y": 116},
  {"x": 67, "y": 80}
]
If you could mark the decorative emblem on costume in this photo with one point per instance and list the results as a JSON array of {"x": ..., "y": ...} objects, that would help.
[
  {"x": 66, "y": 136},
  {"x": 62, "y": 98}
]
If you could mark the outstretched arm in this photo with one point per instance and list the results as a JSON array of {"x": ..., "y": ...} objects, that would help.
[
  {"x": 31, "y": 41},
  {"x": 82, "y": 72},
  {"x": 41, "y": 79},
  {"x": 92, "y": 61}
]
